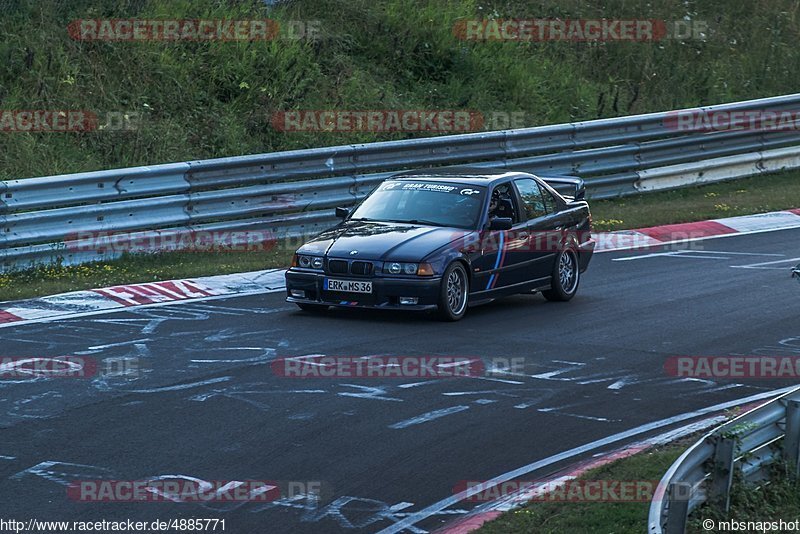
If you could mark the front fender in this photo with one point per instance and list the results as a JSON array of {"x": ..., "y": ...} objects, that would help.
[{"x": 462, "y": 248}]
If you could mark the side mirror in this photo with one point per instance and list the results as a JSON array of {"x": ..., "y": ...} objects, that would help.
[
  {"x": 500, "y": 223},
  {"x": 342, "y": 213}
]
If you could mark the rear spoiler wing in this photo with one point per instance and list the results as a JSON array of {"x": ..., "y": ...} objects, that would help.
[{"x": 570, "y": 187}]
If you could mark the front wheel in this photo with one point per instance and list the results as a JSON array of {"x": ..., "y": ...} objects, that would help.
[
  {"x": 454, "y": 293},
  {"x": 566, "y": 276}
]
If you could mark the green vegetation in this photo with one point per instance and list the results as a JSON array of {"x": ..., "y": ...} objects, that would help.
[
  {"x": 547, "y": 517},
  {"x": 759, "y": 194},
  {"x": 774, "y": 501},
  {"x": 137, "y": 268},
  {"x": 194, "y": 100},
  {"x": 779, "y": 499}
]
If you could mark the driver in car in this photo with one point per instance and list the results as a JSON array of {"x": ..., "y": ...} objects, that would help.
[{"x": 500, "y": 206}]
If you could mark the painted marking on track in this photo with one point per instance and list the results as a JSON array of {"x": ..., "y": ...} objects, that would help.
[
  {"x": 180, "y": 387},
  {"x": 428, "y": 416},
  {"x": 501, "y": 380},
  {"x": 76, "y": 315},
  {"x": 762, "y": 265},
  {"x": 372, "y": 393},
  {"x": 696, "y": 254},
  {"x": 8, "y": 317},
  {"x": 415, "y": 384},
  {"x": 437, "y": 507},
  {"x": 138, "y": 294},
  {"x": 100, "y": 348},
  {"x": 556, "y": 411}
]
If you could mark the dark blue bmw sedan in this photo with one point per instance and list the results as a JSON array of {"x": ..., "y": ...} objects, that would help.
[{"x": 445, "y": 240}]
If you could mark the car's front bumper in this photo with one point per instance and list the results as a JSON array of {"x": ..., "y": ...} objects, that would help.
[{"x": 386, "y": 292}]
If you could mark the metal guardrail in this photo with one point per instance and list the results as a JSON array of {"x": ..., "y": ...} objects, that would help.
[
  {"x": 747, "y": 445},
  {"x": 293, "y": 193}
]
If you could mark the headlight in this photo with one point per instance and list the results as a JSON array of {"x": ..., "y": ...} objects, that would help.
[
  {"x": 307, "y": 262},
  {"x": 397, "y": 267}
]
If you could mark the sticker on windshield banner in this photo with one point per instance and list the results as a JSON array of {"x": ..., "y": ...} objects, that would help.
[{"x": 422, "y": 186}]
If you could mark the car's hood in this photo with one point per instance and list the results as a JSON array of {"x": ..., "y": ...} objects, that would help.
[{"x": 381, "y": 241}]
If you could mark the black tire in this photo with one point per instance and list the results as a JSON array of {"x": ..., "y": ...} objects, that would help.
[
  {"x": 313, "y": 308},
  {"x": 566, "y": 276},
  {"x": 454, "y": 293}
]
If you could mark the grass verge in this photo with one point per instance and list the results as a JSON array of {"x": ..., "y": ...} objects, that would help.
[
  {"x": 726, "y": 199},
  {"x": 758, "y": 194},
  {"x": 139, "y": 268},
  {"x": 780, "y": 499},
  {"x": 545, "y": 517}
]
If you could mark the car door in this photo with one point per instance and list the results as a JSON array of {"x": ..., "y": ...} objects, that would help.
[
  {"x": 541, "y": 222},
  {"x": 499, "y": 265}
]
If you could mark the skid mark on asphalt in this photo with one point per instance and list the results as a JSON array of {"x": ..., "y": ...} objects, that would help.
[{"x": 368, "y": 392}]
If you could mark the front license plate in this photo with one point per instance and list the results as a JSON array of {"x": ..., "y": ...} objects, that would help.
[{"x": 348, "y": 286}]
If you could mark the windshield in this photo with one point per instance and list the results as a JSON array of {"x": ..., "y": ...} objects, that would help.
[{"x": 428, "y": 203}]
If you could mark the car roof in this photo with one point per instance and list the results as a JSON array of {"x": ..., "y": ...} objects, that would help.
[{"x": 462, "y": 175}]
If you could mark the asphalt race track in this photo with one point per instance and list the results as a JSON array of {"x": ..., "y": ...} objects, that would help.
[{"x": 197, "y": 397}]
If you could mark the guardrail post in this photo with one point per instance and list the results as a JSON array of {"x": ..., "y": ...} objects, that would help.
[
  {"x": 791, "y": 438},
  {"x": 678, "y": 511},
  {"x": 722, "y": 473}
]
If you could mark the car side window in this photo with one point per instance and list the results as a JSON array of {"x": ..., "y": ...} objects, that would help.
[
  {"x": 503, "y": 204},
  {"x": 532, "y": 198},
  {"x": 549, "y": 201}
]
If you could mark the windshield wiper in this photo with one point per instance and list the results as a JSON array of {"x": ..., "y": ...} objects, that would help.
[{"x": 417, "y": 221}]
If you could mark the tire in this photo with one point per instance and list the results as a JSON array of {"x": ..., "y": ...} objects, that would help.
[
  {"x": 566, "y": 277},
  {"x": 454, "y": 293},
  {"x": 313, "y": 308}
]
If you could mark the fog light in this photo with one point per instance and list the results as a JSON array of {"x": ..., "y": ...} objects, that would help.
[
  {"x": 408, "y": 301},
  {"x": 298, "y": 293}
]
